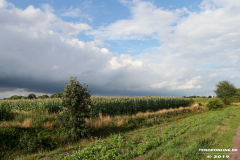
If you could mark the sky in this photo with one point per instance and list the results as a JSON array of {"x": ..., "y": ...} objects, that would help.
[{"x": 119, "y": 47}]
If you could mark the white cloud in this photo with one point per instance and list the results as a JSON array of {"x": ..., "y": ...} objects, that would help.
[
  {"x": 72, "y": 12},
  {"x": 55, "y": 67},
  {"x": 76, "y": 12},
  {"x": 69, "y": 29},
  {"x": 214, "y": 4},
  {"x": 233, "y": 76},
  {"x": 194, "y": 80},
  {"x": 185, "y": 87},
  {"x": 3, "y": 3},
  {"x": 213, "y": 75},
  {"x": 175, "y": 85},
  {"x": 124, "y": 61},
  {"x": 48, "y": 8},
  {"x": 105, "y": 50},
  {"x": 159, "y": 85},
  {"x": 147, "y": 20}
]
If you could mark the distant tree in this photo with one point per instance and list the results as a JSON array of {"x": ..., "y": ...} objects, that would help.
[
  {"x": 39, "y": 97},
  {"x": 14, "y": 97},
  {"x": 32, "y": 96},
  {"x": 23, "y": 97},
  {"x": 203, "y": 96},
  {"x": 184, "y": 96},
  {"x": 225, "y": 91},
  {"x": 57, "y": 95},
  {"x": 45, "y": 96}
]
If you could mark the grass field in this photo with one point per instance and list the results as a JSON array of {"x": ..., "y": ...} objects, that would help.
[{"x": 165, "y": 134}]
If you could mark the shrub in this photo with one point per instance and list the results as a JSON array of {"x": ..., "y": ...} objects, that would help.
[
  {"x": 76, "y": 105},
  {"x": 215, "y": 104},
  {"x": 4, "y": 112}
]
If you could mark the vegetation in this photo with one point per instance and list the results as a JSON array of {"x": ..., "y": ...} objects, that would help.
[
  {"x": 160, "y": 134},
  {"x": 215, "y": 104},
  {"x": 225, "y": 91},
  {"x": 32, "y": 129},
  {"x": 236, "y": 97},
  {"x": 76, "y": 103},
  {"x": 123, "y": 128},
  {"x": 111, "y": 106}
]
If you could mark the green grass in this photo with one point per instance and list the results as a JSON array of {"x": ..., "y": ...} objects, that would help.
[
  {"x": 177, "y": 141},
  {"x": 176, "y": 135}
]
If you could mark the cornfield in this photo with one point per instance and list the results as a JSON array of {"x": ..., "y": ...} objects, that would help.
[{"x": 111, "y": 106}]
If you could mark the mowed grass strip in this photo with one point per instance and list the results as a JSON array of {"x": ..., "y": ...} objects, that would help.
[{"x": 216, "y": 131}]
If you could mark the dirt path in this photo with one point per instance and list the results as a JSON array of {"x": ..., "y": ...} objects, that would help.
[{"x": 236, "y": 145}]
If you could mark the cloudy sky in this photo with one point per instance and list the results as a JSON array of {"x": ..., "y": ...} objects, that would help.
[{"x": 119, "y": 47}]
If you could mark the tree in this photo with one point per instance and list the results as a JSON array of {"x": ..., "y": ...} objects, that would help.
[
  {"x": 32, "y": 96},
  {"x": 225, "y": 91},
  {"x": 236, "y": 97},
  {"x": 45, "y": 96},
  {"x": 40, "y": 97},
  {"x": 14, "y": 97},
  {"x": 57, "y": 95}
]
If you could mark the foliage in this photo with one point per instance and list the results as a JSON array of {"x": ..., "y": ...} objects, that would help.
[
  {"x": 215, "y": 104},
  {"x": 236, "y": 97},
  {"x": 225, "y": 91},
  {"x": 39, "y": 97},
  {"x": 4, "y": 112},
  {"x": 43, "y": 97},
  {"x": 76, "y": 104},
  {"x": 32, "y": 96},
  {"x": 57, "y": 95},
  {"x": 120, "y": 146}
]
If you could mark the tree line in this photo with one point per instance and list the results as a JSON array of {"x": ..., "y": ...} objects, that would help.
[{"x": 33, "y": 96}]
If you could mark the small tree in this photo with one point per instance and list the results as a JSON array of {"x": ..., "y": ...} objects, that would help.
[
  {"x": 225, "y": 91},
  {"x": 76, "y": 104}
]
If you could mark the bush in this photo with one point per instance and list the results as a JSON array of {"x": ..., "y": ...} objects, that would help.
[
  {"x": 4, "y": 112},
  {"x": 215, "y": 104},
  {"x": 227, "y": 100},
  {"x": 76, "y": 104}
]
